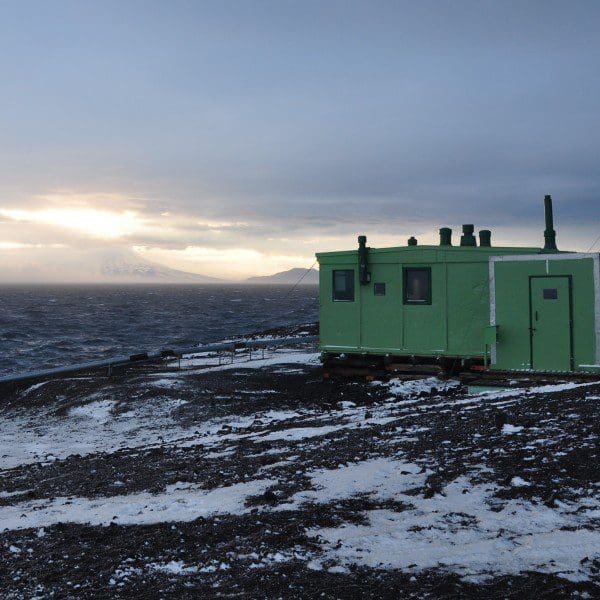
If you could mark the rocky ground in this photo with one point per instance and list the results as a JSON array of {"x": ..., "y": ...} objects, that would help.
[{"x": 260, "y": 479}]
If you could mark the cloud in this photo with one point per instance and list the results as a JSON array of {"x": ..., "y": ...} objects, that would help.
[
  {"x": 261, "y": 135},
  {"x": 232, "y": 263}
]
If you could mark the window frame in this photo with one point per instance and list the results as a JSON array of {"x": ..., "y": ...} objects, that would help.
[
  {"x": 353, "y": 290},
  {"x": 405, "y": 299},
  {"x": 380, "y": 293}
]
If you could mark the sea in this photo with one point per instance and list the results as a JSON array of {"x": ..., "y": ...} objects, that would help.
[{"x": 46, "y": 326}]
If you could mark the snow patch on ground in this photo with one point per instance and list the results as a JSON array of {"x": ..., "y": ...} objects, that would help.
[
  {"x": 99, "y": 411},
  {"x": 179, "y": 502},
  {"x": 4, "y": 494},
  {"x": 458, "y": 531},
  {"x": 397, "y": 387},
  {"x": 381, "y": 478},
  {"x": 277, "y": 357},
  {"x": 299, "y": 433},
  {"x": 163, "y": 382},
  {"x": 508, "y": 428},
  {"x": 174, "y": 567},
  {"x": 519, "y": 482}
]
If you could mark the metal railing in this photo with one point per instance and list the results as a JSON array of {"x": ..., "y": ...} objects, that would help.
[{"x": 145, "y": 357}]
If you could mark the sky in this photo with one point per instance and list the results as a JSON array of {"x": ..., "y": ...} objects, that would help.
[{"x": 239, "y": 138}]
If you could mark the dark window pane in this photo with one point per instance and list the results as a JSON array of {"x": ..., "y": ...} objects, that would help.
[
  {"x": 379, "y": 289},
  {"x": 417, "y": 286},
  {"x": 343, "y": 285},
  {"x": 551, "y": 294}
]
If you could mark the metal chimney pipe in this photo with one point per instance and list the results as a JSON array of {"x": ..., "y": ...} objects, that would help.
[
  {"x": 549, "y": 233},
  {"x": 485, "y": 238},
  {"x": 445, "y": 236}
]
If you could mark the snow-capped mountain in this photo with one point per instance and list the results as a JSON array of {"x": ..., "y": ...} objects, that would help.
[
  {"x": 132, "y": 268},
  {"x": 292, "y": 276}
]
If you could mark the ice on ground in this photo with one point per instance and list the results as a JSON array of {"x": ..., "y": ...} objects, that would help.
[
  {"x": 460, "y": 532},
  {"x": 179, "y": 502}
]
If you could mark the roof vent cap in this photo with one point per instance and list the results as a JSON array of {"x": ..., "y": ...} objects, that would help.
[{"x": 467, "y": 238}]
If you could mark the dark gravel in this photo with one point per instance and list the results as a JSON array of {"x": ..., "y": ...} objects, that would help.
[{"x": 82, "y": 561}]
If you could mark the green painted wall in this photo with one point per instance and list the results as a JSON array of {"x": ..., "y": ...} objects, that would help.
[
  {"x": 512, "y": 280},
  {"x": 341, "y": 325},
  {"x": 452, "y": 325}
]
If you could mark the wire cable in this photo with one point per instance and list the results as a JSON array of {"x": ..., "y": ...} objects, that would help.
[
  {"x": 288, "y": 294},
  {"x": 595, "y": 242}
]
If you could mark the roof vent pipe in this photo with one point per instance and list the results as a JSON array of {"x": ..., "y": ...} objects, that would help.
[
  {"x": 445, "y": 236},
  {"x": 485, "y": 238},
  {"x": 412, "y": 241},
  {"x": 549, "y": 234},
  {"x": 467, "y": 238},
  {"x": 363, "y": 256}
]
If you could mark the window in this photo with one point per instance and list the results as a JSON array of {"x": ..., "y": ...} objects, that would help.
[
  {"x": 417, "y": 285},
  {"x": 550, "y": 294},
  {"x": 343, "y": 285},
  {"x": 379, "y": 289}
]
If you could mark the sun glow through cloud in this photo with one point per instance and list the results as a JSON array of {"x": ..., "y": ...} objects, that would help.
[
  {"x": 90, "y": 221},
  {"x": 235, "y": 263}
]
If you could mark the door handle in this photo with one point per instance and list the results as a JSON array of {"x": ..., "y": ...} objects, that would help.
[{"x": 537, "y": 316}]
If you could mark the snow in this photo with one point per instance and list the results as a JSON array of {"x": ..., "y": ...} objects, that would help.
[
  {"x": 174, "y": 567},
  {"x": 381, "y": 478},
  {"x": 99, "y": 410},
  {"x": 346, "y": 404},
  {"x": 33, "y": 387},
  {"x": 93, "y": 427},
  {"x": 541, "y": 389},
  {"x": 508, "y": 428},
  {"x": 277, "y": 357},
  {"x": 179, "y": 502},
  {"x": 464, "y": 529},
  {"x": 299, "y": 433},
  {"x": 163, "y": 382},
  {"x": 397, "y": 387},
  {"x": 459, "y": 532},
  {"x": 4, "y": 494},
  {"x": 519, "y": 482}
]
